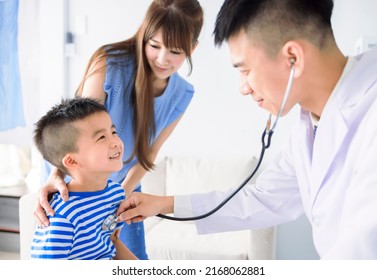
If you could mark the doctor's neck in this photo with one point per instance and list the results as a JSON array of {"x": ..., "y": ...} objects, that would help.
[{"x": 322, "y": 73}]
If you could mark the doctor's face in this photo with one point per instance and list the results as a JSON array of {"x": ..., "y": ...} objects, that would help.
[{"x": 262, "y": 77}]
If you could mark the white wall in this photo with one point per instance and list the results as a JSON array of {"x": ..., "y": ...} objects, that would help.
[
  {"x": 352, "y": 20},
  {"x": 97, "y": 23}
]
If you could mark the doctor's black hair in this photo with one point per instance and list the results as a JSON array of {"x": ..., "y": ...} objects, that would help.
[
  {"x": 274, "y": 22},
  {"x": 55, "y": 135}
]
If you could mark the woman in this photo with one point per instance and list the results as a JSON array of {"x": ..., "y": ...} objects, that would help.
[{"x": 137, "y": 80}]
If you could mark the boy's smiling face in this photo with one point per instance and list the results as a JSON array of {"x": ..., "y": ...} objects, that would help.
[{"x": 100, "y": 150}]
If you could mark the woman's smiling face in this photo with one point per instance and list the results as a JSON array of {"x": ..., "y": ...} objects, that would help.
[{"x": 164, "y": 62}]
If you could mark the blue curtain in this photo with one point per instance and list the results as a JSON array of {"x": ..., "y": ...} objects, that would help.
[{"x": 11, "y": 108}]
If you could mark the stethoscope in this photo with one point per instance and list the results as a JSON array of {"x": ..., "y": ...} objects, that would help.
[
  {"x": 111, "y": 221},
  {"x": 266, "y": 142}
]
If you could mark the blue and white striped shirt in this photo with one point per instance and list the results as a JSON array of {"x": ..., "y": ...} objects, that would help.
[{"x": 75, "y": 231}]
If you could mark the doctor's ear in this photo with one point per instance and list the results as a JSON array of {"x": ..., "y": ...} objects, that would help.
[{"x": 293, "y": 54}]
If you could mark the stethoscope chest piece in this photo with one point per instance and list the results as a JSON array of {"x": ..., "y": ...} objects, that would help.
[{"x": 109, "y": 223}]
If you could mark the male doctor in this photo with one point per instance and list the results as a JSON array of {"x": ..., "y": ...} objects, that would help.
[{"x": 328, "y": 170}]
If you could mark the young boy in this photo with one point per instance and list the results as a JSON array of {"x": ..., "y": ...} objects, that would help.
[{"x": 78, "y": 137}]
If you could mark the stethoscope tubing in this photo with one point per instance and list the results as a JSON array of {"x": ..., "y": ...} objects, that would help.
[{"x": 266, "y": 141}]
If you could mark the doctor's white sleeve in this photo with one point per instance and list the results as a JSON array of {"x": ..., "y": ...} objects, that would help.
[
  {"x": 182, "y": 206},
  {"x": 275, "y": 198},
  {"x": 276, "y": 201}
]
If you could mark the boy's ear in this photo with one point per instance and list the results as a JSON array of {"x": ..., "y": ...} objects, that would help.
[{"x": 69, "y": 161}]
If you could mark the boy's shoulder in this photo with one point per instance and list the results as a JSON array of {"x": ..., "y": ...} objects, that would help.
[{"x": 59, "y": 205}]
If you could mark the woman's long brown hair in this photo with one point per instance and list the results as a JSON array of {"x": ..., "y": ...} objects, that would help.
[{"x": 181, "y": 22}]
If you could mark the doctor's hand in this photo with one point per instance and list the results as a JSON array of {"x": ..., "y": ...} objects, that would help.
[
  {"x": 55, "y": 183},
  {"x": 139, "y": 206}
]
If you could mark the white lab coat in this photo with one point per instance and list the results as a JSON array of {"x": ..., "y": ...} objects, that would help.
[{"x": 333, "y": 180}]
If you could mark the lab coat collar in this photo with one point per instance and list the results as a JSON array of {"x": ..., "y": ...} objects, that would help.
[{"x": 339, "y": 114}]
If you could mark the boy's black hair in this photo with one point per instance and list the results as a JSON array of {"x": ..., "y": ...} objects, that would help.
[{"x": 55, "y": 135}]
